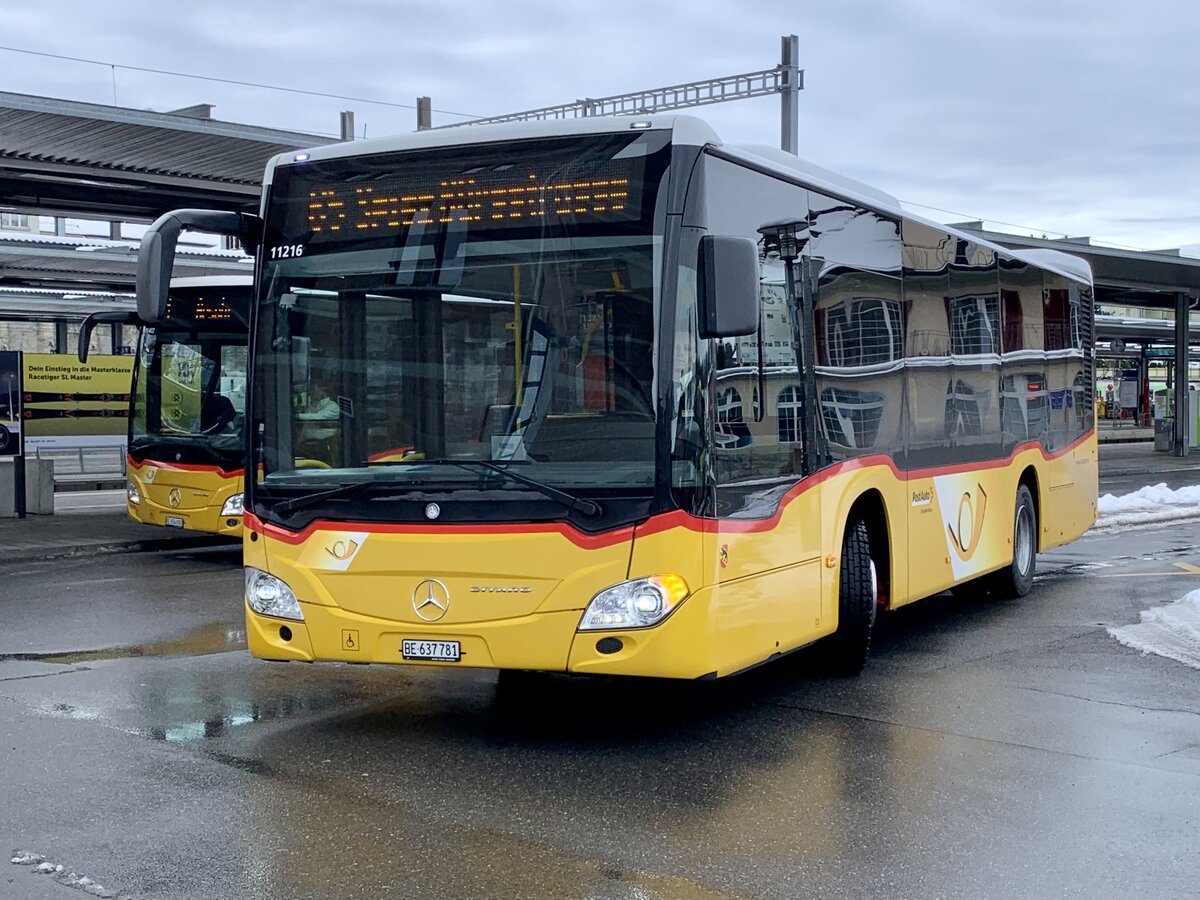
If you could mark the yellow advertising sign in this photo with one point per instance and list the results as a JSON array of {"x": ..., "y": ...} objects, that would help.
[{"x": 63, "y": 396}]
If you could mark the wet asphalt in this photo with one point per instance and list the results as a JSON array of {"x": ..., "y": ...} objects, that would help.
[{"x": 991, "y": 749}]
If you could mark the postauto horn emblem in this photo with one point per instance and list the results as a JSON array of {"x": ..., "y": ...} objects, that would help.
[
  {"x": 431, "y": 599},
  {"x": 174, "y": 497}
]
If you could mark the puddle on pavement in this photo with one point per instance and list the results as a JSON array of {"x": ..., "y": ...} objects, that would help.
[
  {"x": 241, "y": 713},
  {"x": 233, "y": 712},
  {"x": 213, "y": 638}
]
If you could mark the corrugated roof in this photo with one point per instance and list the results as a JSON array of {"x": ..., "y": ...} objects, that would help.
[
  {"x": 40, "y": 303},
  {"x": 27, "y": 259},
  {"x": 128, "y": 140},
  {"x": 63, "y": 156}
]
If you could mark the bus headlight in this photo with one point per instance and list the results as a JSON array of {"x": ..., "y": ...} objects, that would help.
[
  {"x": 132, "y": 494},
  {"x": 634, "y": 604},
  {"x": 271, "y": 596},
  {"x": 233, "y": 506}
]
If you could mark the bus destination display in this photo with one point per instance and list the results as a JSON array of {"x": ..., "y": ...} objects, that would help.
[{"x": 386, "y": 198}]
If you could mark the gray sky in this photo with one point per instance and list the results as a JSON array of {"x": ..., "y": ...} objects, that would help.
[{"x": 1062, "y": 116}]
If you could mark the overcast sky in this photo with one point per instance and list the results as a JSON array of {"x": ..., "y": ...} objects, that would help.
[{"x": 1062, "y": 116}]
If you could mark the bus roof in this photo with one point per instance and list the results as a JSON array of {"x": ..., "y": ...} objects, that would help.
[
  {"x": 686, "y": 130},
  {"x": 847, "y": 188}
]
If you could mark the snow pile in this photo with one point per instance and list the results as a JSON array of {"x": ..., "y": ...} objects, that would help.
[
  {"x": 63, "y": 876},
  {"x": 1172, "y": 631},
  {"x": 1153, "y": 503}
]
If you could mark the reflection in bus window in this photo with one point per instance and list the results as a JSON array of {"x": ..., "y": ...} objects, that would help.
[
  {"x": 732, "y": 430},
  {"x": 791, "y": 407},
  {"x": 863, "y": 331},
  {"x": 963, "y": 415},
  {"x": 974, "y": 325},
  {"x": 1023, "y": 405},
  {"x": 851, "y": 417}
]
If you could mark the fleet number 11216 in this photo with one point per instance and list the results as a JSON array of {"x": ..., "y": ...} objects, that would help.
[{"x": 287, "y": 251}]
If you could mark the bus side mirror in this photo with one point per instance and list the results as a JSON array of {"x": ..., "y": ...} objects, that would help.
[
  {"x": 90, "y": 323},
  {"x": 728, "y": 286},
  {"x": 156, "y": 255}
]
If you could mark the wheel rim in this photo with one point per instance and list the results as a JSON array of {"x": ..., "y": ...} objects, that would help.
[{"x": 1024, "y": 540}]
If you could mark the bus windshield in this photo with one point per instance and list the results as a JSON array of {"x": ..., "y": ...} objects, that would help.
[
  {"x": 190, "y": 383},
  {"x": 483, "y": 304}
]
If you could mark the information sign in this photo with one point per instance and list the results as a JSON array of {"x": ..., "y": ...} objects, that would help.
[{"x": 10, "y": 403}]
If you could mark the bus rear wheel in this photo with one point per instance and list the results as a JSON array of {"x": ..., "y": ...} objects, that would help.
[
  {"x": 846, "y": 650},
  {"x": 1017, "y": 579}
]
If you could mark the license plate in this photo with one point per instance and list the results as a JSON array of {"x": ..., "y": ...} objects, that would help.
[
  {"x": 438, "y": 651},
  {"x": 173, "y": 522}
]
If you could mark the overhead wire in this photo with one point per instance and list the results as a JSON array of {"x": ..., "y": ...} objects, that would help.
[{"x": 233, "y": 81}]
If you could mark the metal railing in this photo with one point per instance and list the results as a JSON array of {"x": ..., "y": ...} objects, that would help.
[{"x": 73, "y": 465}]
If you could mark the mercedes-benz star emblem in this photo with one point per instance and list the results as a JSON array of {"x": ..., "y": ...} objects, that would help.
[
  {"x": 174, "y": 497},
  {"x": 431, "y": 599},
  {"x": 432, "y": 510}
]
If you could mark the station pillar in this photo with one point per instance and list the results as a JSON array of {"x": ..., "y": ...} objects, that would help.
[{"x": 1181, "y": 374}]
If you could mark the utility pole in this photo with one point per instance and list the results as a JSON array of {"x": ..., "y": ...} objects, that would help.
[{"x": 789, "y": 93}]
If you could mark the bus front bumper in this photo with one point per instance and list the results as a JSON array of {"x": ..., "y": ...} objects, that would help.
[
  {"x": 549, "y": 641},
  {"x": 204, "y": 518}
]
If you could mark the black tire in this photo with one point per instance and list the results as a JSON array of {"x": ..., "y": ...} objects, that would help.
[
  {"x": 1017, "y": 579},
  {"x": 846, "y": 650},
  {"x": 7, "y": 438}
]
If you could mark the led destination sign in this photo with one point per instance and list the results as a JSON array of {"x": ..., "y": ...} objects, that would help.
[
  {"x": 593, "y": 183},
  {"x": 215, "y": 309},
  {"x": 399, "y": 202}
]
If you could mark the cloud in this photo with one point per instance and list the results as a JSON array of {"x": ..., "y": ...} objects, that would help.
[{"x": 1070, "y": 116}]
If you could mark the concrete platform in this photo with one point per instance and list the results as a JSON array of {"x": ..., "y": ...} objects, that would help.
[
  {"x": 1110, "y": 432},
  {"x": 92, "y": 533}
]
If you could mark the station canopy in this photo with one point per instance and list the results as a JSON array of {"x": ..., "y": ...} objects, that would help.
[
  {"x": 77, "y": 263},
  {"x": 1122, "y": 277},
  {"x": 66, "y": 158}
]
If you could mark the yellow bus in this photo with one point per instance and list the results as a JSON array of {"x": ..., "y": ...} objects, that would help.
[
  {"x": 187, "y": 406},
  {"x": 612, "y": 397}
]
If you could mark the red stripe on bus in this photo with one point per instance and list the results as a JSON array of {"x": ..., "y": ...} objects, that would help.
[
  {"x": 655, "y": 524},
  {"x": 185, "y": 467},
  {"x": 679, "y": 519},
  {"x": 579, "y": 538}
]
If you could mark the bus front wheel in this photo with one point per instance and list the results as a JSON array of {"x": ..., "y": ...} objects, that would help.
[
  {"x": 847, "y": 648},
  {"x": 1017, "y": 579}
]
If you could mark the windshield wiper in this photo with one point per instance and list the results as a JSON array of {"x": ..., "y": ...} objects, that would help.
[
  {"x": 585, "y": 506},
  {"x": 287, "y": 507}
]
